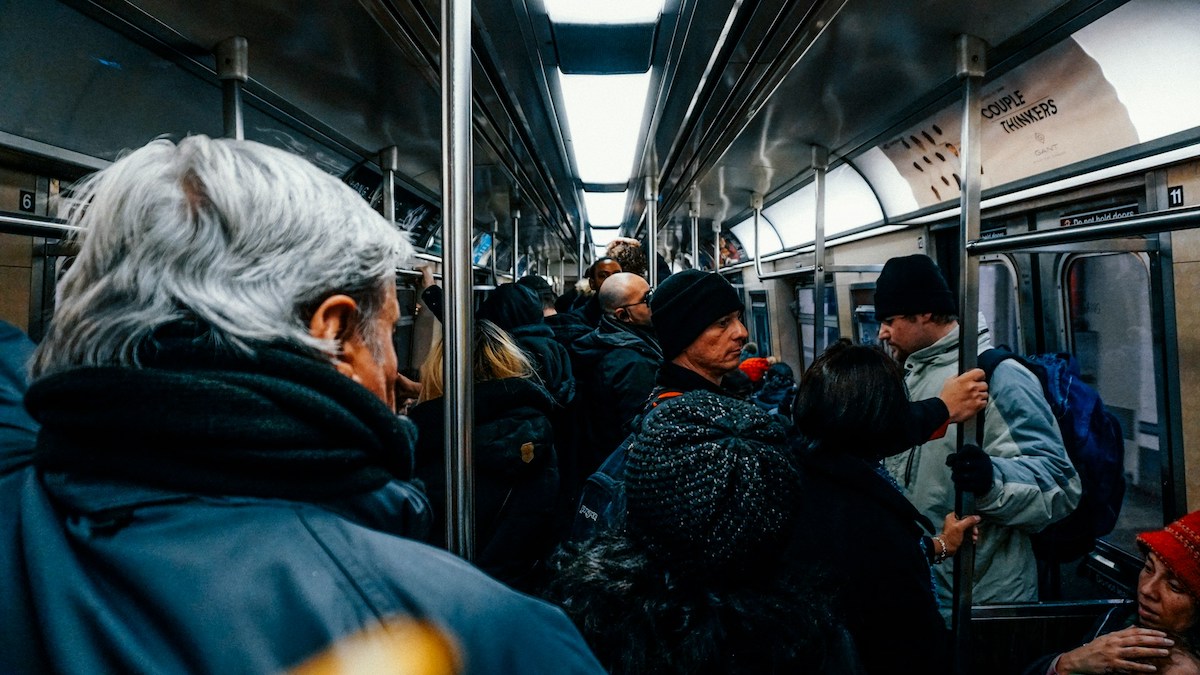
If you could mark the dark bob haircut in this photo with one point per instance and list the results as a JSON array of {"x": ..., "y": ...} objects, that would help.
[{"x": 852, "y": 399}]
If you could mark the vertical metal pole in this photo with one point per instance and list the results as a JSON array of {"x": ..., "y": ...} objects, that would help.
[
  {"x": 562, "y": 271},
  {"x": 694, "y": 215},
  {"x": 820, "y": 162},
  {"x": 233, "y": 69},
  {"x": 972, "y": 63},
  {"x": 457, "y": 165},
  {"x": 756, "y": 204},
  {"x": 716, "y": 228},
  {"x": 516, "y": 240},
  {"x": 652, "y": 231},
  {"x": 579, "y": 259},
  {"x": 495, "y": 251},
  {"x": 389, "y": 161}
]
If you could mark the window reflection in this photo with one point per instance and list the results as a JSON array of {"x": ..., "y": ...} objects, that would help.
[{"x": 1107, "y": 299}]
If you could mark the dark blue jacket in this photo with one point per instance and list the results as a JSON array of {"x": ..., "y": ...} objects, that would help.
[
  {"x": 212, "y": 512},
  {"x": 133, "y": 580},
  {"x": 18, "y": 431}
]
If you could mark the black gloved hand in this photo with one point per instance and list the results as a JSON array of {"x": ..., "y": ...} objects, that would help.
[{"x": 971, "y": 470}]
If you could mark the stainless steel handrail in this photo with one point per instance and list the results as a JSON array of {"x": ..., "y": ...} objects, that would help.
[{"x": 1150, "y": 223}]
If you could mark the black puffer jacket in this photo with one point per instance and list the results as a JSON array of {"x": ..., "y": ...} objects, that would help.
[
  {"x": 517, "y": 310},
  {"x": 587, "y": 308},
  {"x": 516, "y": 476},
  {"x": 568, "y": 327},
  {"x": 863, "y": 534},
  {"x": 615, "y": 369}
]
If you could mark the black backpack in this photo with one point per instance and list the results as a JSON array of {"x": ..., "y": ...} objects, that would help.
[
  {"x": 602, "y": 501},
  {"x": 1094, "y": 443}
]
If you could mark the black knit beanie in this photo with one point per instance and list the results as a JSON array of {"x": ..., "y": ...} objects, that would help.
[
  {"x": 912, "y": 285},
  {"x": 710, "y": 486},
  {"x": 685, "y": 304}
]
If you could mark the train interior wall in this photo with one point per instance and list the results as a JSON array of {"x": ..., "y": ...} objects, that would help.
[{"x": 1185, "y": 251}]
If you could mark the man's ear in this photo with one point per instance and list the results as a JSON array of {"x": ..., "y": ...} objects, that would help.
[
  {"x": 623, "y": 318},
  {"x": 336, "y": 319}
]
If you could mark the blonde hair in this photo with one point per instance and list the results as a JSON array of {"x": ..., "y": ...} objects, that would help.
[{"x": 496, "y": 357}]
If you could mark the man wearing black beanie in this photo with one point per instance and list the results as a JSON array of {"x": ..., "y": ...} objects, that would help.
[
  {"x": 1022, "y": 478},
  {"x": 698, "y": 318}
]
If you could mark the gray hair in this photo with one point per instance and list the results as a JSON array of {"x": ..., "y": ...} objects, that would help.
[{"x": 246, "y": 238}]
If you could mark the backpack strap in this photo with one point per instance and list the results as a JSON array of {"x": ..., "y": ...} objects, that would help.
[
  {"x": 663, "y": 396},
  {"x": 989, "y": 359}
]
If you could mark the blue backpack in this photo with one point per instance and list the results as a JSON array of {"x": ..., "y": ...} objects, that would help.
[{"x": 1094, "y": 443}]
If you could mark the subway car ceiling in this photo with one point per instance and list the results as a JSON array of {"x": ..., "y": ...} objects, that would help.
[{"x": 736, "y": 94}]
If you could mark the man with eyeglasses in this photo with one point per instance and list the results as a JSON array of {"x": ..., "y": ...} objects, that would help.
[{"x": 615, "y": 366}]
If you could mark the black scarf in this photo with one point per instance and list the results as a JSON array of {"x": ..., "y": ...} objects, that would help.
[
  {"x": 674, "y": 377},
  {"x": 280, "y": 424}
]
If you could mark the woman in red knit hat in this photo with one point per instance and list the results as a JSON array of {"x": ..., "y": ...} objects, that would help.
[{"x": 1164, "y": 635}]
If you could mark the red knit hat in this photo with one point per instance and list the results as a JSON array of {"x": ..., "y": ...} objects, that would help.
[{"x": 1178, "y": 547}]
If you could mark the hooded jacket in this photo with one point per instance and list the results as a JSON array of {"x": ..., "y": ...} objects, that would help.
[
  {"x": 616, "y": 366},
  {"x": 517, "y": 310},
  {"x": 1033, "y": 481},
  {"x": 213, "y": 515},
  {"x": 516, "y": 476},
  {"x": 568, "y": 327}
]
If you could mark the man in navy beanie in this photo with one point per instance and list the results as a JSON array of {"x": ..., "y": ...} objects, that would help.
[{"x": 1022, "y": 478}]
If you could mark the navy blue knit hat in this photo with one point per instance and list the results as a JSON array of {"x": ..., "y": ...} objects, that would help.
[
  {"x": 710, "y": 485},
  {"x": 912, "y": 285},
  {"x": 685, "y": 304}
]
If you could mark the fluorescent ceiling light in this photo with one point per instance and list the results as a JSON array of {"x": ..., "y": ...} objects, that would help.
[
  {"x": 604, "y": 115},
  {"x": 605, "y": 209},
  {"x": 604, "y": 11},
  {"x": 604, "y": 237}
]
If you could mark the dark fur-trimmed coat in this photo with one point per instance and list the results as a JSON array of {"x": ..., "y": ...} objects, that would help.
[{"x": 640, "y": 618}]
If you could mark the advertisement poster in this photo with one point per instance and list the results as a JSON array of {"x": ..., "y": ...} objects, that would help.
[{"x": 1053, "y": 111}]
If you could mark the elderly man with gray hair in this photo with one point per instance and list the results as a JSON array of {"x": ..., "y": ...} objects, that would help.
[{"x": 220, "y": 483}]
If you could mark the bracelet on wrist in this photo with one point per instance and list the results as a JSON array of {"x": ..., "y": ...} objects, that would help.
[{"x": 944, "y": 553}]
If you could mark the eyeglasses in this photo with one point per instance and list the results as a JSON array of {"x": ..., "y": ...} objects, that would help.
[{"x": 644, "y": 301}]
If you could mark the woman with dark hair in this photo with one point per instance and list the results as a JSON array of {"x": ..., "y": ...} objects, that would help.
[
  {"x": 696, "y": 583},
  {"x": 516, "y": 465},
  {"x": 855, "y": 524},
  {"x": 1163, "y": 635}
]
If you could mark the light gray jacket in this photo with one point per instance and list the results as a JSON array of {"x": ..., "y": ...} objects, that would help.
[{"x": 1033, "y": 482}]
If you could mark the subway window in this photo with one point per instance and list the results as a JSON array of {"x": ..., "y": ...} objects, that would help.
[
  {"x": 1107, "y": 303},
  {"x": 998, "y": 302},
  {"x": 807, "y": 318}
]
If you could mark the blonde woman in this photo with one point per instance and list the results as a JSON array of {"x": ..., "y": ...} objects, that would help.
[{"x": 516, "y": 467}]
